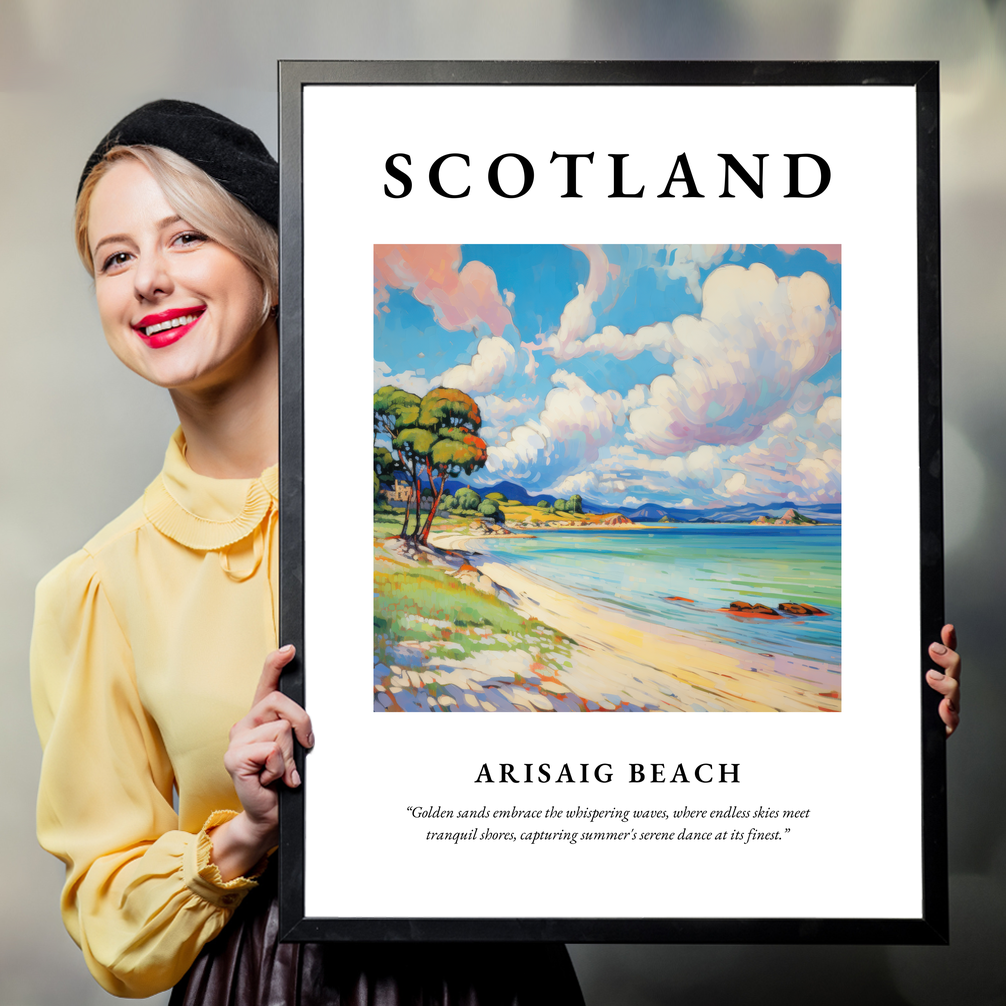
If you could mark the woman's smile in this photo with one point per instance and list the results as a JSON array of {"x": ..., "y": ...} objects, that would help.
[{"x": 166, "y": 327}]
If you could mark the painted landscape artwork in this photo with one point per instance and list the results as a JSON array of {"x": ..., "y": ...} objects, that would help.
[{"x": 607, "y": 478}]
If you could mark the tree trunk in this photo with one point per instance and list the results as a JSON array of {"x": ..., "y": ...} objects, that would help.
[
  {"x": 436, "y": 501},
  {"x": 419, "y": 502},
  {"x": 408, "y": 503},
  {"x": 405, "y": 523}
]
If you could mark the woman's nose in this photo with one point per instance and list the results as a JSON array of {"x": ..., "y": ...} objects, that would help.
[{"x": 152, "y": 277}]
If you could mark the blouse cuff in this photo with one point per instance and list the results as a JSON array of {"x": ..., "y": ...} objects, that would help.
[{"x": 202, "y": 876}]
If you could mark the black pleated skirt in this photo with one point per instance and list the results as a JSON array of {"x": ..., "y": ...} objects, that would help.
[{"x": 246, "y": 965}]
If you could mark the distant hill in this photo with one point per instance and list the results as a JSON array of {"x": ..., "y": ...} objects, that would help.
[
  {"x": 822, "y": 513},
  {"x": 826, "y": 513},
  {"x": 514, "y": 492}
]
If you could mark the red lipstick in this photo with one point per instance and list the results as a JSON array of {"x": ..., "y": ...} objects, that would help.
[{"x": 166, "y": 328}]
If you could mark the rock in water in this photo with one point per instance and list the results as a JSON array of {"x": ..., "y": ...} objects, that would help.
[
  {"x": 751, "y": 610},
  {"x": 794, "y": 608}
]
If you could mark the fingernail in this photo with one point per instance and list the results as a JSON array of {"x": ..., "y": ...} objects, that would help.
[
  {"x": 310, "y": 740},
  {"x": 936, "y": 675},
  {"x": 287, "y": 649},
  {"x": 295, "y": 777},
  {"x": 938, "y": 648}
]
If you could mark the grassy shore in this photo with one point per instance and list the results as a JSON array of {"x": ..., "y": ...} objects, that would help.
[{"x": 445, "y": 639}]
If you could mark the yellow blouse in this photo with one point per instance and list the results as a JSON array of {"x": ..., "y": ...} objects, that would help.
[{"x": 147, "y": 647}]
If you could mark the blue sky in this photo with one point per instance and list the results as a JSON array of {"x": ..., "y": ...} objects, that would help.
[{"x": 682, "y": 375}]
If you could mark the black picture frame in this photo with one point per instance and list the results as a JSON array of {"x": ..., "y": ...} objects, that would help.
[{"x": 932, "y": 926}]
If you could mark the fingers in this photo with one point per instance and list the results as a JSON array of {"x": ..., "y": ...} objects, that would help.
[
  {"x": 949, "y": 713},
  {"x": 270, "y": 703},
  {"x": 949, "y": 687},
  {"x": 263, "y": 761},
  {"x": 271, "y": 671},
  {"x": 265, "y": 751},
  {"x": 261, "y": 749},
  {"x": 946, "y": 656},
  {"x": 272, "y": 761},
  {"x": 949, "y": 636},
  {"x": 947, "y": 681},
  {"x": 280, "y": 763},
  {"x": 277, "y": 706},
  {"x": 951, "y": 717}
]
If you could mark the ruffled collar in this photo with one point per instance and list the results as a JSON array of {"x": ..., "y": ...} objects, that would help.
[{"x": 203, "y": 513}]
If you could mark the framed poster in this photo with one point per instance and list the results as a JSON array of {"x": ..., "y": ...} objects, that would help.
[{"x": 579, "y": 326}]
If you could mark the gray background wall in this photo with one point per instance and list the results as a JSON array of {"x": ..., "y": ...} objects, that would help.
[{"x": 81, "y": 437}]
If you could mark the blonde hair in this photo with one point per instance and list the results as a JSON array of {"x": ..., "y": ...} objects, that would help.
[{"x": 199, "y": 200}]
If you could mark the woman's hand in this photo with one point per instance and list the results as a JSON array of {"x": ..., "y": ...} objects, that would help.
[
  {"x": 947, "y": 682},
  {"x": 260, "y": 753}
]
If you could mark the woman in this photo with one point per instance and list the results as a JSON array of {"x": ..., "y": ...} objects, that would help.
[{"x": 148, "y": 643}]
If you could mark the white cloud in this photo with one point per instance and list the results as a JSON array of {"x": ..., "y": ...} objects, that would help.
[
  {"x": 575, "y": 335},
  {"x": 574, "y": 423},
  {"x": 776, "y": 469},
  {"x": 494, "y": 408},
  {"x": 491, "y": 363},
  {"x": 809, "y": 397},
  {"x": 784, "y": 423},
  {"x": 586, "y": 483},
  {"x": 686, "y": 261},
  {"x": 792, "y": 468},
  {"x": 576, "y": 416},
  {"x": 623, "y": 468},
  {"x": 658, "y": 339},
  {"x": 829, "y": 417},
  {"x": 736, "y": 485},
  {"x": 531, "y": 367},
  {"x": 518, "y": 457},
  {"x": 413, "y": 381},
  {"x": 738, "y": 365},
  {"x": 577, "y": 320},
  {"x": 495, "y": 411}
]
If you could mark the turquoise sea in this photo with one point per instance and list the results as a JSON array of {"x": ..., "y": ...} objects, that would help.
[{"x": 711, "y": 565}]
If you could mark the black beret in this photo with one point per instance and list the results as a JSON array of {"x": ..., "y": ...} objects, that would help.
[{"x": 230, "y": 154}]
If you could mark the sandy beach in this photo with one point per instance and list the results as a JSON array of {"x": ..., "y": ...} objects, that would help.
[{"x": 619, "y": 657}]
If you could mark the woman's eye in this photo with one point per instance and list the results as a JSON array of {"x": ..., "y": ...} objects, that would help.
[
  {"x": 190, "y": 238},
  {"x": 114, "y": 261}
]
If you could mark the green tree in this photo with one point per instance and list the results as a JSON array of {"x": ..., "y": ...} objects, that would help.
[
  {"x": 560, "y": 506},
  {"x": 575, "y": 504},
  {"x": 448, "y": 503},
  {"x": 454, "y": 420},
  {"x": 499, "y": 497},
  {"x": 385, "y": 466},
  {"x": 467, "y": 499},
  {"x": 395, "y": 413},
  {"x": 489, "y": 508},
  {"x": 542, "y": 504}
]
